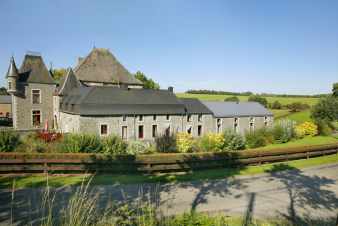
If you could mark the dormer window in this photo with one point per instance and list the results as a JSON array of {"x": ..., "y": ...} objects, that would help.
[
  {"x": 189, "y": 118},
  {"x": 36, "y": 96}
]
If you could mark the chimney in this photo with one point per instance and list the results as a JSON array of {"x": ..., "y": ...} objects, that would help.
[{"x": 171, "y": 89}]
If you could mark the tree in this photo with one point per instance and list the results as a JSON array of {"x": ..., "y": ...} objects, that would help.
[
  {"x": 232, "y": 99},
  {"x": 276, "y": 105},
  {"x": 3, "y": 91},
  {"x": 335, "y": 89},
  {"x": 148, "y": 83},
  {"x": 297, "y": 106},
  {"x": 58, "y": 74},
  {"x": 256, "y": 98},
  {"x": 326, "y": 109}
]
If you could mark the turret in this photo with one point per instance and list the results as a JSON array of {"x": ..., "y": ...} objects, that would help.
[{"x": 12, "y": 77}]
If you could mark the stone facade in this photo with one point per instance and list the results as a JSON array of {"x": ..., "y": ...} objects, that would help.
[{"x": 23, "y": 106}]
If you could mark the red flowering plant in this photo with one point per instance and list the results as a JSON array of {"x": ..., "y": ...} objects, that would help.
[{"x": 48, "y": 136}]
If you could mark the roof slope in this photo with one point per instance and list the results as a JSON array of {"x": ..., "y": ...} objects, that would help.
[
  {"x": 68, "y": 82},
  {"x": 34, "y": 70},
  {"x": 103, "y": 100},
  {"x": 101, "y": 66},
  {"x": 5, "y": 99},
  {"x": 233, "y": 109},
  {"x": 195, "y": 106}
]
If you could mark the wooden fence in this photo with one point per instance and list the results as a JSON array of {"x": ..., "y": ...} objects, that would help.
[{"x": 82, "y": 163}]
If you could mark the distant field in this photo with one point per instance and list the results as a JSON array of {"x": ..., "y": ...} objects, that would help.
[
  {"x": 283, "y": 100},
  {"x": 280, "y": 113}
]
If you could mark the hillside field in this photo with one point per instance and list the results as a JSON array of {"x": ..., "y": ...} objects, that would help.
[{"x": 283, "y": 100}]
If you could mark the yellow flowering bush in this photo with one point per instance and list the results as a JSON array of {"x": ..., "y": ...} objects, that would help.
[
  {"x": 306, "y": 129},
  {"x": 212, "y": 142},
  {"x": 184, "y": 142}
]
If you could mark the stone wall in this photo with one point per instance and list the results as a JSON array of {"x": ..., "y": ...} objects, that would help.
[{"x": 23, "y": 107}]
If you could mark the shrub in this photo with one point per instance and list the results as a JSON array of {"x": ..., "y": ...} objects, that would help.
[
  {"x": 139, "y": 147},
  {"x": 211, "y": 142},
  {"x": 326, "y": 109},
  {"x": 256, "y": 98},
  {"x": 184, "y": 142},
  {"x": 113, "y": 145},
  {"x": 283, "y": 131},
  {"x": 233, "y": 99},
  {"x": 8, "y": 141},
  {"x": 255, "y": 139},
  {"x": 81, "y": 143},
  {"x": 324, "y": 128},
  {"x": 276, "y": 105},
  {"x": 166, "y": 143},
  {"x": 233, "y": 141},
  {"x": 306, "y": 129},
  {"x": 48, "y": 136},
  {"x": 297, "y": 106}
]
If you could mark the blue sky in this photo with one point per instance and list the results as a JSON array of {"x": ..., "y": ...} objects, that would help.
[{"x": 263, "y": 46}]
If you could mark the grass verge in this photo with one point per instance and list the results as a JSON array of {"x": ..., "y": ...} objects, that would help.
[{"x": 108, "y": 179}]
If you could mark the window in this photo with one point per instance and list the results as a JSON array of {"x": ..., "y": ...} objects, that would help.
[
  {"x": 140, "y": 117},
  {"x": 36, "y": 118},
  {"x": 9, "y": 85},
  {"x": 218, "y": 128},
  {"x": 124, "y": 132},
  {"x": 36, "y": 96},
  {"x": 167, "y": 131},
  {"x": 124, "y": 118},
  {"x": 154, "y": 133},
  {"x": 189, "y": 130},
  {"x": 189, "y": 118},
  {"x": 251, "y": 124},
  {"x": 103, "y": 129},
  {"x": 219, "y": 121},
  {"x": 168, "y": 117},
  {"x": 154, "y": 117},
  {"x": 200, "y": 117},
  {"x": 199, "y": 130},
  {"x": 140, "y": 132}
]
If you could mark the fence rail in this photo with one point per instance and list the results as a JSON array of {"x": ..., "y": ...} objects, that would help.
[{"x": 84, "y": 163}]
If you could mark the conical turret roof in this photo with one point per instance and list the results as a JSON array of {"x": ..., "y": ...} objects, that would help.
[{"x": 12, "y": 69}]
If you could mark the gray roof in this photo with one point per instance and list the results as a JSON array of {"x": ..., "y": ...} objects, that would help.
[
  {"x": 68, "y": 82},
  {"x": 101, "y": 66},
  {"x": 101, "y": 100},
  {"x": 234, "y": 109},
  {"x": 34, "y": 70},
  {"x": 194, "y": 106},
  {"x": 12, "y": 69},
  {"x": 5, "y": 99}
]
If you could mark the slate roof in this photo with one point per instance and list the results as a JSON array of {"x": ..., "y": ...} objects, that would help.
[
  {"x": 101, "y": 100},
  {"x": 102, "y": 66},
  {"x": 236, "y": 109},
  {"x": 5, "y": 99},
  {"x": 12, "y": 69},
  {"x": 34, "y": 70},
  {"x": 68, "y": 82},
  {"x": 194, "y": 106}
]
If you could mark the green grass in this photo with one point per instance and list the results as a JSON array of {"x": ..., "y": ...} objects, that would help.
[
  {"x": 283, "y": 100},
  {"x": 307, "y": 141},
  {"x": 300, "y": 117},
  {"x": 280, "y": 113},
  {"x": 64, "y": 180}
]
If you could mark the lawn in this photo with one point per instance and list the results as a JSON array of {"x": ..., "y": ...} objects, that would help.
[
  {"x": 307, "y": 141},
  {"x": 280, "y": 113},
  {"x": 283, "y": 100},
  {"x": 63, "y": 180}
]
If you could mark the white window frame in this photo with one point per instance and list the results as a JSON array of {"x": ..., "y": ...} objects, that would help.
[
  {"x": 32, "y": 121},
  {"x": 124, "y": 118},
  {"x": 101, "y": 124},
  {"x": 221, "y": 125},
  {"x": 167, "y": 117},
  {"x": 189, "y": 117},
  {"x": 138, "y": 132},
  {"x": 139, "y": 118},
  {"x": 124, "y": 138},
  {"x": 39, "y": 96},
  {"x": 200, "y": 117},
  {"x": 253, "y": 124},
  {"x": 152, "y": 130},
  {"x": 155, "y": 118},
  {"x": 233, "y": 125}
]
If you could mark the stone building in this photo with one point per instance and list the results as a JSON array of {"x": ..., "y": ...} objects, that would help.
[{"x": 101, "y": 97}]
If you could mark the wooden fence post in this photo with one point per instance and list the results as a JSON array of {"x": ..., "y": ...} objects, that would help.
[{"x": 45, "y": 168}]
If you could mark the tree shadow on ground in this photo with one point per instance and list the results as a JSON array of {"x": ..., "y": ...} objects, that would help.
[{"x": 307, "y": 192}]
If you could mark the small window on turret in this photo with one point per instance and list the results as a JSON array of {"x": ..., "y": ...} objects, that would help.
[
  {"x": 36, "y": 96},
  {"x": 9, "y": 85}
]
